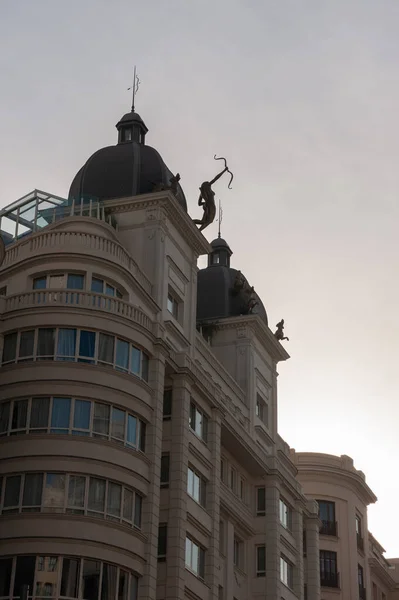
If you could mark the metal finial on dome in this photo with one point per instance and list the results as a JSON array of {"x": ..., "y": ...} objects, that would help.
[
  {"x": 134, "y": 87},
  {"x": 220, "y": 218}
]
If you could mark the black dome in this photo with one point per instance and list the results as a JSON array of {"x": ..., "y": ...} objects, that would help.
[
  {"x": 223, "y": 291},
  {"x": 127, "y": 169}
]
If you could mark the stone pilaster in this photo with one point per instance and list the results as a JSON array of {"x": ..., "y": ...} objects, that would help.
[
  {"x": 272, "y": 534},
  {"x": 312, "y": 525},
  {"x": 177, "y": 521},
  {"x": 229, "y": 560},
  {"x": 297, "y": 532},
  {"x": 213, "y": 506},
  {"x": 150, "y": 517}
]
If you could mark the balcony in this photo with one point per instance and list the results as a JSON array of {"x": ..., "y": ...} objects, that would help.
[
  {"x": 328, "y": 528},
  {"x": 329, "y": 580},
  {"x": 360, "y": 542},
  {"x": 362, "y": 592}
]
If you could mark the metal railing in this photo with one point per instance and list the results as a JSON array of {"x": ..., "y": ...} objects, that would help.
[
  {"x": 328, "y": 528},
  {"x": 329, "y": 580},
  {"x": 362, "y": 592}
]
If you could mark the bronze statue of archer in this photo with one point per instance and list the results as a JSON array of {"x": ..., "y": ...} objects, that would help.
[{"x": 207, "y": 197}]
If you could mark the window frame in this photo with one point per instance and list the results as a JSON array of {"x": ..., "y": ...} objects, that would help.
[
  {"x": 260, "y": 572},
  {"x": 261, "y": 512},
  {"x": 202, "y": 485},
  {"x": 286, "y": 572},
  {"x": 199, "y": 569},
  {"x": 262, "y": 409},
  {"x": 285, "y": 514},
  {"x": 196, "y": 415},
  {"x": 66, "y": 275}
]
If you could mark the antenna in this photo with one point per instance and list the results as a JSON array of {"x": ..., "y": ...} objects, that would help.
[
  {"x": 134, "y": 87},
  {"x": 220, "y": 217}
]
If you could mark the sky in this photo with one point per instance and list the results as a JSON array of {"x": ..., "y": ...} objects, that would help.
[{"x": 302, "y": 98}]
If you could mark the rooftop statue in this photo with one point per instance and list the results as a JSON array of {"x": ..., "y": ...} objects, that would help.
[
  {"x": 207, "y": 197},
  {"x": 279, "y": 333},
  {"x": 161, "y": 187}
]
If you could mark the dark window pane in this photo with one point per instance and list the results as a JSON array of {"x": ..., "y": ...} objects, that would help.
[
  {"x": 4, "y": 416},
  {"x": 109, "y": 290},
  {"x": 39, "y": 283},
  {"x": 26, "y": 342},
  {"x": 261, "y": 559},
  {"x": 123, "y": 585},
  {"x": 128, "y": 505},
  {"x": 118, "y": 424},
  {"x": 165, "y": 459},
  {"x": 24, "y": 573},
  {"x": 114, "y": 499},
  {"x": 11, "y": 494},
  {"x": 131, "y": 437},
  {"x": 138, "y": 503},
  {"x": 134, "y": 585},
  {"x": 106, "y": 348},
  {"x": 135, "y": 360},
  {"x": 143, "y": 429},
  {"x": 97, "y": 285},
  {"x": 19, "y": 414},
  {"x": 91, "y": 579},
  {"x": 33, "y": 488},
  {"x": 5, "y": 576},
  {"x": 66, "y": 345},
  {"x": 39, "y": 413},
  {"x": 122, "y": 355},
  {"x": 87, "y": 344},
  {"x": 70, "y": 577},
  {"x": 75, "y": 282},
  {"x": 144, "y": 366},
  {"x": 167, "y": 403},
  {"x": 96, "y": 495},
  {"x": 108, "y": 584},
  {"x": 54, "y": 492},
  {"x": 76, "y": 492},
  {"x": 10, "y": 347},
  {"x": 261, "y": 500},
  {"x": 162, "y": 540},
  {"x": 45, "y": 342},
  {"x": 101, "y": 419},
  {"x": 81, "y": 416},
  {"x": 60, "y": 415}
]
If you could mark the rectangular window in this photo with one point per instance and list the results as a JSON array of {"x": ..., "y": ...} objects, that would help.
[
  {"x": 173, "y": 305},
  {"x": 260, "y": 501},
  {"x": 87, "y": 345},
  {"x": 39, "y": 414},
  {"x": 285, "y": 515},
  {"x": 135, "y": 360},
  {"x": 91, "y": 579},
  {"x": 195, "y": 558},
  {"x": 242, "y": 489},
  {"x": 142, "y": 436},
  {"x": 262, "y": 409},
  {"x": 118, "y": 424},
  {"x": 122, "y": 355},
  {"x": 101, "y": 420},
  {"x": 39, "y": 283},
  {"x": 75, "y": 282},
  {"x": 19, "y": 415},
  {"x": 138, "y": 504},
  {"x": 162, "y": 541},
  {"x": 97, "y": 285},
  {"x": 108, "y": 582},
  {"x": 76, "y": 494},
  {"x": 198, "y": 422},
  {"x": 196, "y": 486},
  {"x": 66, "y": 344},
  {"x": 233, "y": 480},
  {"x": 60, "y": 415},
  {"x": 32, "y": 496},
  {"x": 24, "y": 573},
  {"x": 165, "y": 463},
  {"x": 4, "y": 416},
  {"x": 167, "y": 404},
  {"x": 54, "y": 492},
  {"x": 10, "y": 347},
  {"x": 96, "y": 503},
  {"x": 238, "y": 548},
  {"x": 360, "y": 577},
  {"x": 114, "y": 499},
  {"x": 127, "y": 505},
  {"x": 221, "y": 537},
  {"x": 260, "y": 561},
  {"x": 145, "y": 365},
  {"x": 26, "y": 344},
  {"x": 106, "y": 348},
  {"x": 45, "y": 343},
  {"x": 81, "y": 417},
  {"x": 286, "y": 572},
  {"x": 131, "y": 437},
  {"x": 11, "y": 493},
  {"x": 5, "y": 576},
  {"x": 328, "y": 568},
  {"x": 327, "y": 517}
]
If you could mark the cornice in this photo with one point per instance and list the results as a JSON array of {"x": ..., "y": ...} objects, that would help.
[
  {"x": 176, "y": 215},
  {"x": 377, "y": 568},
  {"x": 330, "y": 474}
]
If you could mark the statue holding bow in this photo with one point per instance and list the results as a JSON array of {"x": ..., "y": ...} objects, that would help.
[{"x": 207, "y": 197}]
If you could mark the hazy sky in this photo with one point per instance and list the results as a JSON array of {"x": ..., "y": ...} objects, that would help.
[{"x": 302, "y": 97}]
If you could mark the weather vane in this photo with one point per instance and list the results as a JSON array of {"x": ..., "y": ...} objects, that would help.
[
  {"x": 134, "y": 87},
  {"x": 220, "y": 218}
]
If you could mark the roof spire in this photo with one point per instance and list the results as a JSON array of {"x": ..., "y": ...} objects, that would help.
[{"x": 134, "y": 87}]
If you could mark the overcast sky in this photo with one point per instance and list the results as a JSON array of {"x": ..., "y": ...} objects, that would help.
[{"x": 302, "y": 97}]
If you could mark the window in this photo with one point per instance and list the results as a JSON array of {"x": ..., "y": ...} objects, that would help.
[
  {"x": 72, "y": 494},
  {"x": 198, "y": 422},
  {"x": 196, "y": 486},
  {"x": 262, "y": 410},
  {"x": 260, "y": 561},
  {"x": 286, "y": 572},
  {"x": 167, "y": 404},
  {"x": 165, "y": 463},
  {"x": 70, "y": 281},
  {"x": 100, "y": 286},
  {"x": 215, "y": 258},
  {"x": 328, "y": 569},
  {"x": 242, "y": 490},
  {"x": 233, "y": 480},
  {"x": 162, "y": 541},
  {"x": 260, "y": 501},
  {"x": 359, "y": 536},
  {"x": 360, "y": 577},
  {"x": 327, "y": 517},
  {"x": 221, "y": 537},
  {"x": 195, "y": 558},
  {"x": 238, "y": 551},
  {"x": 3, "y": 291},
  {"x": 172, "y": 305},
  {"x": 222, "y": 469},
  {"x": 40, "y": 283},
  {"x": 285, "y": 515},
  {"x": 79, "y": 345},
  {"x": 66, "y": 416}
]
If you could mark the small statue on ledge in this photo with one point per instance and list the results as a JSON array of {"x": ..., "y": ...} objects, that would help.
[
  {"x": 252, "y": 302},
  {"x": 161, "y": 187},
  {"x": 279, "y": 333},
  {"x": 207, "y": 197},
  {"x": 239, "y": 283}
]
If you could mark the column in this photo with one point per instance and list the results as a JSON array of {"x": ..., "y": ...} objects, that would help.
[
  {"x": 177, "y": 521},
  {"x": 213, "y": 506},
  {"x": 230, "y": 577},
  {"x": 150, "y": 517},
  {"x": 312, "y": 525},
  {"x": 272, "y": 534},
  {"x": 297, "y": 532}
]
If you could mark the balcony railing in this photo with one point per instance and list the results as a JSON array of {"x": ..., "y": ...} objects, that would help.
[
  {"x": 360, "y": 542},
  {"x": 329, "y": 580},
  {"x": 328, "y": 528},
  {"x": 362, "y": 592}
]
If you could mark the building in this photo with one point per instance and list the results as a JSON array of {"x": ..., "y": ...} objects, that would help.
[
  {"x": 352, "y": 562},
  {"x": 139, "y": 452}
]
